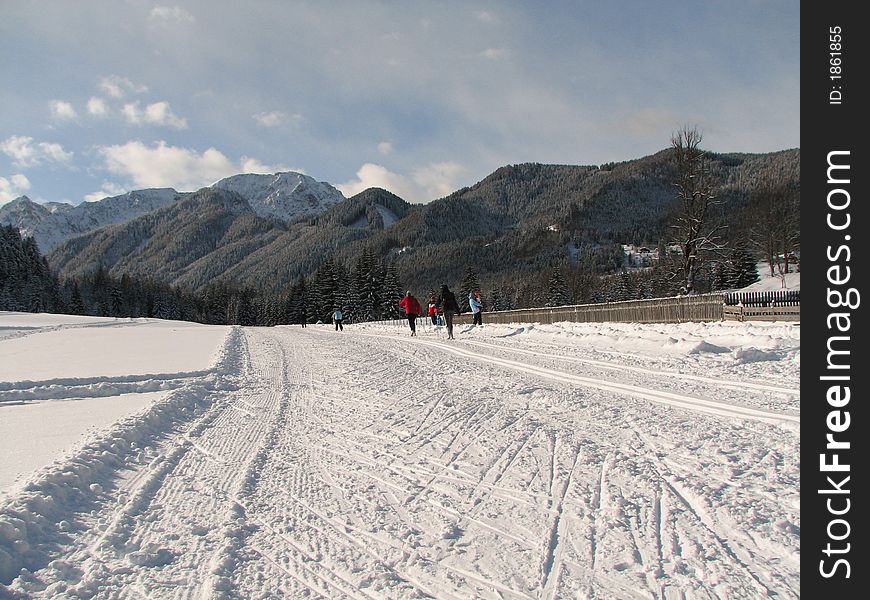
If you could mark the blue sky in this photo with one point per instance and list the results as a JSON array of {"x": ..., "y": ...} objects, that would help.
[{"x": 422, "y": 98}]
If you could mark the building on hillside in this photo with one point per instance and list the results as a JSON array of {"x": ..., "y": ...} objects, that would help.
[{"x": 639, "y": 257}]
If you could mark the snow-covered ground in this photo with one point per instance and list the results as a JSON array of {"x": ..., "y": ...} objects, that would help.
[
  {"x": 63, "y": 376},
  {"x": 517, "y": 461},
  {"x": 771, "y": 283}
]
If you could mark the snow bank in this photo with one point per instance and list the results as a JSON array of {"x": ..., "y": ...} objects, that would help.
[
  {"x": 40, "y": 347},
  {"x": 30, "y": 522},
  {"x": 726, "y": 340}
]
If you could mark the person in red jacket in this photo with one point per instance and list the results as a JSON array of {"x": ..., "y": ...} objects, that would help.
[
  {"x": 412, "y": 310},
  {"x": 433, "y": 310}
]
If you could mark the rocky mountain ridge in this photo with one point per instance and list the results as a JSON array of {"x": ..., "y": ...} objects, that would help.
[{"x": 280, "y": 196}]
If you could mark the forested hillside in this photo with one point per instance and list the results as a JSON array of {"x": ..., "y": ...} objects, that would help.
[
  {"x": 515, "y": 231},
  {"x": 524, "y": 220}
]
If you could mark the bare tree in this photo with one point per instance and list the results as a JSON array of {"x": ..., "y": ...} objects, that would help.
[
  {"x": 694, "y": 231},
  {"x": 774, "y": 225}
]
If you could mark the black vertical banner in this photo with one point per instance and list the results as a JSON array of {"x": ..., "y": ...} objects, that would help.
[{"x": 835, "y": 423}]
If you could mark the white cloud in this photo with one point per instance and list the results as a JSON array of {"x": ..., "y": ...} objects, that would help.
[
  {"x": 372, "y": 175},
  {"x": 21, "y": 149},
  {"x": 53, "y": 152},
  {"x": 158, "y": 113},
  {"x": 62, "y": 110},
  {"x": 167, "y": 14},
  {"x": 252, "y": 165},
  {"x": 24, "y": 153},
  {"x": 270, "y": 119},
  {"x": 495, "y": 53},
  {"x": 97, "y": 107},
  {"x": 432, "y": 181},
  {"x": 648, "y": 123},
  {"x": 132, "y": 113},
  {"x": 438, "y": 179},
  {"x": 12, "y": 188},
  {"x": 184, "y": 169},
  {"x": 119, "y": 87},
  {"x": 485, "y": 16},
  {"x": 385, "y": 147},
  {"x": 106, "y": 190}
]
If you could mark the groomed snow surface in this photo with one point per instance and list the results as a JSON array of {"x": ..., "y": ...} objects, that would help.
[{"x": 517, "y": 461}]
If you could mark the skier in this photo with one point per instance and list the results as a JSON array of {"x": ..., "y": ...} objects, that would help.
[
  {"x": 447, "y": 302},
  {"x": 476, "y": 304},
  {"x": 433, "y": 310},
  {"x": 336, "y": 318},
  {"x": 412, "y": 310}
]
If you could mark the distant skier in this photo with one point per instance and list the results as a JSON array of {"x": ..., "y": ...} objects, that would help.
[
  {"x": 447, "y": 302},
  {"x": 432, "y": 311},
  {"x": 476, "y": 304},
  {"x": 336, "y": 318},
  {"x": 412, "y": 310}
]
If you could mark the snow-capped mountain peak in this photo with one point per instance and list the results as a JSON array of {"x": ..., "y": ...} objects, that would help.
[
  {"x": 283, "y": 196},
  {"x": 23, "y": 213},
  {"x": 51, "y": 225}
]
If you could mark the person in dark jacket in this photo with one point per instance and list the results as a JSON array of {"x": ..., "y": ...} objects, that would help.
[
  {"x": 412, "y": 310},
  {"x": 447, "y": 302}
]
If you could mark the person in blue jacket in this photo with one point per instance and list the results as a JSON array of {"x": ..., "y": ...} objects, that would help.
[
  {"x": 336, "y": 318},
  {"x": 476, "y": 304}
]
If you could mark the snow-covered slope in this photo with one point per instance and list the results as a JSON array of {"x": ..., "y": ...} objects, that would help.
[
  {"x": 23, "y": 213},
  {"x": 283, "y": 196},
  {"x": 52, "y": 225},
  {"x": 772, "y": 283},
  {"x": 517, "y": 461},
  {"x": 387, "y": 215}
]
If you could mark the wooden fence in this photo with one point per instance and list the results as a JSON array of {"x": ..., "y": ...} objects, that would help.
[
  {"x": 718, "y": 306},
  {"x": 771, "y": 298},
  {"x": 761, "y": 313},
  {"x": 775, "y": 305},
  {"x": 678, "y": 309}
]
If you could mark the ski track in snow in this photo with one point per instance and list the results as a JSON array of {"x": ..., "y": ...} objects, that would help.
[{"x": 299, "y": 467}]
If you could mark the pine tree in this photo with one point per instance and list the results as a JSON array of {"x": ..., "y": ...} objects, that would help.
[
  {"x": 722, "y": 275},
  {"x": 296, "y": 305},
  {"x": 77, "y": 303},
  {"x": 744, "y": 268},
  {"x": 623, "y": 288},
  {"x": 557, "y": 291},
  {"x": 324, "y": 288},
  {"x": 246, "y": 314},
  {"x": 527, "y": 296},
  {"x": 26, "y": 282},
  {"x": 494, "y": 300},
  {"x": 391, "y": 294},
  {"x": 367, "y": 285},
  {"x": 469, "y": 283}
]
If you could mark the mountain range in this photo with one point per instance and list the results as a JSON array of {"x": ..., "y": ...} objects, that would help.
[
  {"x": 282, "y": 196},
  {"x": 266, "y": 230}
]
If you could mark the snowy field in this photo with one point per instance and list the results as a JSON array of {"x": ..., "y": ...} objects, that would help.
[
  {"x": 768, "y": 283},
  {"x": 64, "y": 376},
  {"x": 517, "y": 461}
]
